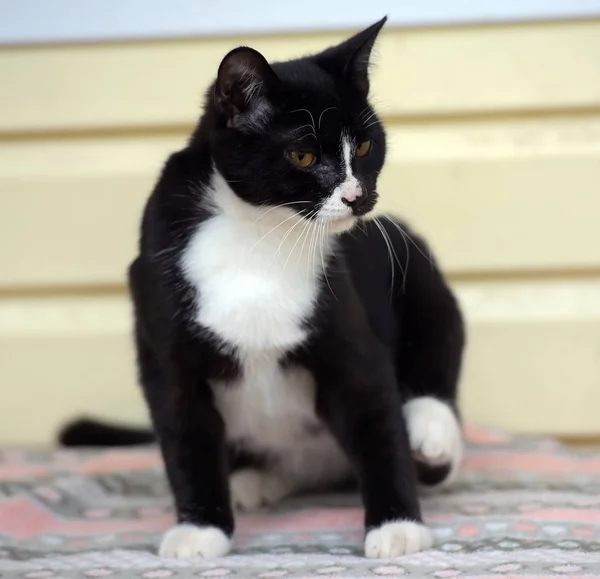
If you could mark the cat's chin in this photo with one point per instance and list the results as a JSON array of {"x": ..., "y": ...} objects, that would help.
[{"x": 343, "y": 224}]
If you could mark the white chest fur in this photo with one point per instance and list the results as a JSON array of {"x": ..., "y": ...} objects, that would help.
[{"x": 256, "y": 280}]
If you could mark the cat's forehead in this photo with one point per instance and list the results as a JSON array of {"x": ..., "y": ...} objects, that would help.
[
  {"x": 324, "y": 126},
  {"x": 328, "y": 123},
  {"x": 308, "y": 88}
]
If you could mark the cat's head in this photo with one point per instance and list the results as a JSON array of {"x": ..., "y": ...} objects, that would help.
[{"x": 300, "y": 133}]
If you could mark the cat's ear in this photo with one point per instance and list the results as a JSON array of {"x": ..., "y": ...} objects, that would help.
[
  {"x": 351, "y": 58},
  {"x": 244, "y": 82}
]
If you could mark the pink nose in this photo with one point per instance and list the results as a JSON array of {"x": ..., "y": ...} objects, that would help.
[{"x": 350, "y": 195}]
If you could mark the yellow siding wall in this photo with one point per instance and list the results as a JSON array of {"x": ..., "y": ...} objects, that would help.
[{"x": 494, "y": 155}]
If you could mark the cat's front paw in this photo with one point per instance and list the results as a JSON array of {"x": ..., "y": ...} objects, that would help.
[
  {"x": 398, "y": 538},
  {"x": 435, "y": 439},
  {"x": 191, "y": 542},
  {"x": 252, "y": 488}
]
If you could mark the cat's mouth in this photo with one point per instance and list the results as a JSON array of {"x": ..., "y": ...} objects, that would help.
[{"x": 337, "y": 219}]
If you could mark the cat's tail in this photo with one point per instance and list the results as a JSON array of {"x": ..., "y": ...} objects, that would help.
[{"x": 87, "y": 432}]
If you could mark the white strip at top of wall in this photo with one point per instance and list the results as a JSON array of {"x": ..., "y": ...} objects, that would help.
[{"x": 41, "y": 21}]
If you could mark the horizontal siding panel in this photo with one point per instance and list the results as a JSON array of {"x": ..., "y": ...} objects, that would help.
[
  {"x": 537, "y": 377},
  {"x": 533, "y": 356},
  {"x": 502, "y": 216},
  {"x": 79, "y": 231},
  {"x": 70, "y": 210},
  {"x": 532, "y": 364},
  {"x": 420, "y": 72},
  {"x": 64, "y": 357},
  {"x": 491, "y": 196}
]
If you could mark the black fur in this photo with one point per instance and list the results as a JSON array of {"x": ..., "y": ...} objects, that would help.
[{"x": 373, "y": 344}]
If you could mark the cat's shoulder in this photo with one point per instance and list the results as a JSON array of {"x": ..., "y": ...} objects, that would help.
[{"x": 183, "y": 180}]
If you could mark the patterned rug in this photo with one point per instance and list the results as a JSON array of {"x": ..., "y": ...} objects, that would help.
[{"x": 523, "y": 508}]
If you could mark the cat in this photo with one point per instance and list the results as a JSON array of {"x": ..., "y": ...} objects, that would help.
[{"x": 285, "y": 341}]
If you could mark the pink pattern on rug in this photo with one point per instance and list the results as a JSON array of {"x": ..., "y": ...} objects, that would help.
[
  {"x": 22, "y": 518},
  {"x": 533, "y": 462}
]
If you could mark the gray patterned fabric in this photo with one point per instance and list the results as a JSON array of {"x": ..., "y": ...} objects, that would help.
[{"x": 523, "y": 507}]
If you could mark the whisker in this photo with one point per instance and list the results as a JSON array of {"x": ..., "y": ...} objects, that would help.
[
  {"x": 287, "y": 234},
  {"x": 381, "y": 103},
  {"x": 369, "y": 117},
  {"x": 278, "y": 207},
  {"x": 327, "y": 228},
  {"x": 363, "y": 227},
  {"x": 307, "y": 135},
  {"x": 271, "y": 231},
  {"x": 301, "y": 127},
  {"x": 322, "y": 113},
  {"x": 405, "y": 233},
  {"x": 313, "y": 249},
  {"x": 407, "y": 258},
  {"x": 311, "y": 134},
  {"x": 308, "y": 230},
  {"x": 365, "y": 110},
  {"x": 312, "y": 120},
  {"x": 391, "y": 251},
  {"x": 378, "y": 225},
  {"x": 304, "y": 229},
  {"x": 372, "y": 124},
  {"x": 404, "y": 269},
  {"x": 323, "y": 232}
]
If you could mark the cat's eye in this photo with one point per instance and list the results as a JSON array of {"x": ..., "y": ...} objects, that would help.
[
  {"x": 363, "y": 149},
  {"x": 303, "y": 159}
]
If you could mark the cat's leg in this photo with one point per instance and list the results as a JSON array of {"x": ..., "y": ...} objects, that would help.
[
  {"x": 428, "y": 359},
  {"x": 190, "y": 432},
  {"x": 357, "y": 396}
]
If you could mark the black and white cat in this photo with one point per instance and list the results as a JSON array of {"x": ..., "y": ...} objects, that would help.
[{"x": 284, "y": 343}]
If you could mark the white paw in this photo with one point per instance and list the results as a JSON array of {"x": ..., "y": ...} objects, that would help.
[
  {"x": 434, "y": 433},
  {"x": 395, "y": 539},
  {"x": 251, "y": 489},
  {"x": 189, "y": 542}
]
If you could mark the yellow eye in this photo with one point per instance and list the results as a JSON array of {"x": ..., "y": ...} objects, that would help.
[
  {"x": 363, "y": 149},
  {"x": 302, "y": 158}
]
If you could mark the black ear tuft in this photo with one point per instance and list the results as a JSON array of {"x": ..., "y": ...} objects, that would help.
[
  {"x": 351, "y": 57},
  {"x": 244, "y": 78}
]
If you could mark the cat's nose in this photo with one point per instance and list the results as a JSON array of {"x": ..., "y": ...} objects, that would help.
[{"x": 350, "y": 195}]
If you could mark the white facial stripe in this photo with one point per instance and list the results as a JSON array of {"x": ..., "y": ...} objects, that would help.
[
  {"x": 336, "y": 210},
  {"x": 347, "y": 148}
]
